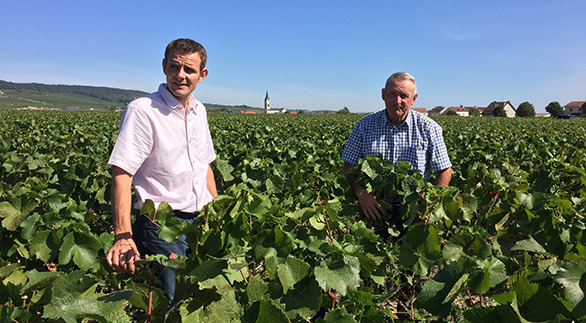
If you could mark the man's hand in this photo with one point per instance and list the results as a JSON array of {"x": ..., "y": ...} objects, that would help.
[
  {"x": 370, "y": 206},
  {"x": 122, "y": 255}
]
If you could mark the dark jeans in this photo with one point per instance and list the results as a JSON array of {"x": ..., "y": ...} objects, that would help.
[{"x": 148, "y": 243}]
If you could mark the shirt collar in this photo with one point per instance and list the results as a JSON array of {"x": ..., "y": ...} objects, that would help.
[
  {"x": 405, "y": 122},
  {"x": 172, "y": 102}
]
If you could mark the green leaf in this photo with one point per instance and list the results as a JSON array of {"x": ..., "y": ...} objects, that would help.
[
  {"x": 304, "y": 300},
  {"x": 469, "y": 207},
  {"x": 494, "y": 272},
  {"x": 536, "y": 303},
  {"x": 569, "y": 275},
  {"x": 260, "y": 206},
  {"x": 341, "y": 275},
  {"x": 256, "y": 289},
  {"x": 528, "y": 245},
  {"x": 435, "y": 292},
  {"x": 269, "y": 312},
  {"x": 39, "y": 246},
  {"x": 225, "y": 169},
  {"x": 208, "y": 272},
  {"x": 73, "y": 296},
  {"x": 456, "y": 289},
  {"x": 227, "y": 309},
  {"x": 108, "y": 307},
  {"x": 339, "y": 315},
  {"x": 140, "y": 298},
  {"x": 317, "y": 221},
  {"x": 29, "y": 226},
  {"x": 291, "y": 272},
  {"x": 39, "y": 280},
  {"x": 466, "y": 243},
  {"x": 421, "y": 248},
  {"x": 12, "y": 217},
  {"x": 83, "y": 248},
  {"x": 499, "y": 313},
  {"x": 16, "y": 277}
]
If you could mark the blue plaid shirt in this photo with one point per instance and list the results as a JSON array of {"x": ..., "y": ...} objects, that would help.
[{"x": 418, "y": 141}]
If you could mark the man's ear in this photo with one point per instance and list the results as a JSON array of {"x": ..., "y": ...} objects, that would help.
[
  {"x": 165, "y": 66},
  {"x": 202, "y": 75}
]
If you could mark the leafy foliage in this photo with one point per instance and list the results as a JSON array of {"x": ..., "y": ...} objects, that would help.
[
  {"x": 285, "y": 240},
  {"x": 555, "y": 109},
  {"x": 499, "y": 111},
  {"x": 474, "y": 112},
  {"x": 526, "y": 109}
]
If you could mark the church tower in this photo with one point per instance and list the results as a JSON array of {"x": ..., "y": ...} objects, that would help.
[{"x": 267, "y": 103}]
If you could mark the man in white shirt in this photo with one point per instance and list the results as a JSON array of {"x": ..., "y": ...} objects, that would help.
[{"x": 164, "y": 148}]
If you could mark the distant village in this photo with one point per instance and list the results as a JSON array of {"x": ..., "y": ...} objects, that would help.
[{"x": 572, "y": 110}]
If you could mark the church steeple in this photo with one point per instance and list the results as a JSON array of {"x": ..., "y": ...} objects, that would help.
[{"x": 267, "y": 102}]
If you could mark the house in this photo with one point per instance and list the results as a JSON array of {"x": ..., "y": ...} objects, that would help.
[
  {"x": 510, "y": 111},
  {"x": 574, "y": 108},
  {"x": 420, "y": 110},
  {"x": 438, "y": 111},
  {"x": 461, "y": 111},
  {"x": 543, "y": 115}
]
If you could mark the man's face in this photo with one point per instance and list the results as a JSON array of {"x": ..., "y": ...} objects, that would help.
[
  {"x": 398, "y": 97},
  {"x": 183, "y": 73}
]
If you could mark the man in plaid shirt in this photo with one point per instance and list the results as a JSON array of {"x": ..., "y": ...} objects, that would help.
[{"x": 397, "y": 134}]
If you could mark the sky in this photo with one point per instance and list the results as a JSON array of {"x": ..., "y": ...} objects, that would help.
[{"x": 310, "y": 55}]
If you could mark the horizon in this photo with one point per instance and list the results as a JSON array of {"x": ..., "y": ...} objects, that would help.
[
  {"x": 311, "y": 56},
  {"x": 428, "y": 109}
]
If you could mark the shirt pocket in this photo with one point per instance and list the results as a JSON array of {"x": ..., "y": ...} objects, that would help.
[{"x": 418, "y": 155}]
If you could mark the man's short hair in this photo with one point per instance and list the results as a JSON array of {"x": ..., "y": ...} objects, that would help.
[
  {"x": 188, "y": 46},
  {"x": 402, "y": 76}
]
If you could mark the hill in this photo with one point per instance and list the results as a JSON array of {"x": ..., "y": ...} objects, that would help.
[{"x": 16, "y": 95}]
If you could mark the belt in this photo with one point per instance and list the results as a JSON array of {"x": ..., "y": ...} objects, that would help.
[
  {"x": 185, "y": 215},
  {"x": 179, "y": 214}
]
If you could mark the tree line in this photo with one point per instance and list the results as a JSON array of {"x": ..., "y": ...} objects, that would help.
[{"x": 118, "y": 96}]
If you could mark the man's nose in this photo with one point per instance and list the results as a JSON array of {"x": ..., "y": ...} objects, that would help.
[{"x": 181, "y": 72}]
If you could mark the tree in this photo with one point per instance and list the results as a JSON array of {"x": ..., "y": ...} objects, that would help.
[
  {"x": 474, "y": 112},
  {"x": 452, "y": 113},
  {"x": 554, "y": 109},
  {"x": 499, "y": 111},
  {"x": 526, "y": 109},
  {"x": 343, "y": 111},
  {"x": 584, "y": 107}
]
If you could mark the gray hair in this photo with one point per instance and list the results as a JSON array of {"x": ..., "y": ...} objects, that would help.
[{"x": 402, "y": 76}]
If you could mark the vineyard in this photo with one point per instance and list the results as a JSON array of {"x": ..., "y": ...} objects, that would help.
[{"x": 284, "y": 242}]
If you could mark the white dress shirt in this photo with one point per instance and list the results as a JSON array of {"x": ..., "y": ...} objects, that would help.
[{"x": 167, "y": 152}]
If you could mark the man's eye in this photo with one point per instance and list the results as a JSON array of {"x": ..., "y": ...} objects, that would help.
[{"x": 189, "y": 70}]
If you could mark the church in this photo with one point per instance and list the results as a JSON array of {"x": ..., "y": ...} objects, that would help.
[{"x": 268, "y": 106}]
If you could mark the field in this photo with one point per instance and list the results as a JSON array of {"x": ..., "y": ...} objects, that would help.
[{"x": 284, "y": 241}]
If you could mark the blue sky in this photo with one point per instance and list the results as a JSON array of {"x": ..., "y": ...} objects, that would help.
[{"x": 309, "y": 54}]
